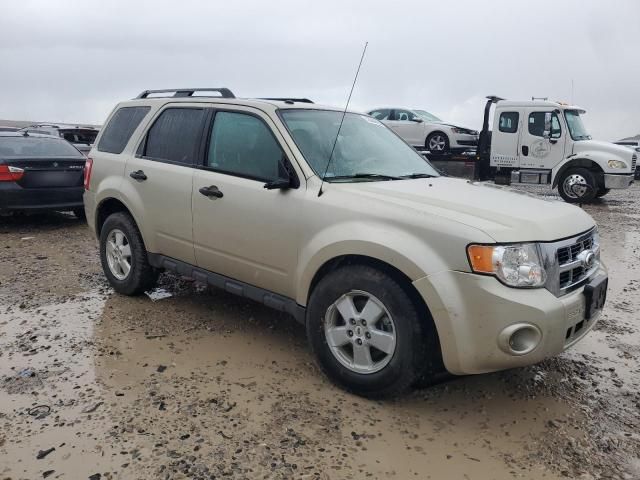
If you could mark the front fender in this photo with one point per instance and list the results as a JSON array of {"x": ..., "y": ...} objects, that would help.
[
  {"x": 400, "y": 249},
  {"x": 588, "y": 159}
]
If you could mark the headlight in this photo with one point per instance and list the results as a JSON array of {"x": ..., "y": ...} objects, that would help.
[
  {"x": 464, "y": 131},
  {"x": 516, "y": 265},
  {"x": 616, "y": 164}
]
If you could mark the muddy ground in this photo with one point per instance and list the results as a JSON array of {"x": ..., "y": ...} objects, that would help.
[{"x": 207, "y": 385}]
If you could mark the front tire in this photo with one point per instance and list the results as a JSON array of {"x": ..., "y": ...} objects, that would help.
[
  {"x": 367, "y": 333},
  {"x": 124, "y": 257},
  {"x": 578, "y": 185},
  {"x": 438, "y": 143}
]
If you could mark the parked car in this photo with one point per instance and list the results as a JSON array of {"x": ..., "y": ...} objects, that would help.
[
  {"x": 393, "y": 269},
  {"x": 40, "y": 172},
  {"x": 81, "y": 137},
  {"x": 424, "y": 130},
  {"x": 635, "y": 146},
  {"x": 5, "y": 128}
]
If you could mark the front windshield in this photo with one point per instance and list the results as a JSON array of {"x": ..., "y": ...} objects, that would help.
[
  {"x": 429, "y": 117},
  {"x": 576, "y": 127},
  {"x": 366, "y": 150}
]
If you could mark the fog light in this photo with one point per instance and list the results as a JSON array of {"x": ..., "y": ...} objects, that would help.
[{"x": 519, "y": 338}]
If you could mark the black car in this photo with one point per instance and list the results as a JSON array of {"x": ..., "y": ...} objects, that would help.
[
  {"x": 81, "y": 137},
  {"x": 40, "y": 172}
]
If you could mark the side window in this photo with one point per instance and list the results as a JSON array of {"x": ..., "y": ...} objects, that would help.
[
  {"x": 536, "y": 125},
  {"x": 175, "y": 135},
  {"x": 118, "y": 131},
  {"x": 509, "y": 122},
  {"x": 381, "y": 114},
  {"x": 243, "y": 145},
  {"x": 403, "y": 115}
]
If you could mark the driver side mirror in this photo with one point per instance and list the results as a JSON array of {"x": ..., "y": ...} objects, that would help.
[
  {"x": 547, "y": 126},
  {"x": 417, "y": 120}
]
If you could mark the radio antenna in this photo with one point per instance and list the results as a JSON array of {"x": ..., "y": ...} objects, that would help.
[{"x": 344, "y": 113}]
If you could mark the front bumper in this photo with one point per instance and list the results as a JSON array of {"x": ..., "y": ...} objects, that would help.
[
  {"x": 470, "y": 312},
  {"x": 617, "y": 181},
  {"x": 459, "y": 140}
]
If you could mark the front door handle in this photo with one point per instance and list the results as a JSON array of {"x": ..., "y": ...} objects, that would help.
[
  {"x": 138, "y": 175},
  {"x": 211, "y": 191},
  {"x": 525, "y": 150}
]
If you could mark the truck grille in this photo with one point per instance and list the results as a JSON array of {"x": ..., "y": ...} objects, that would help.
[{"x": 566, "y": 262}]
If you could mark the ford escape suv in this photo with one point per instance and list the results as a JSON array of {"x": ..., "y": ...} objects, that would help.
[{"x": 394, "y": 270}]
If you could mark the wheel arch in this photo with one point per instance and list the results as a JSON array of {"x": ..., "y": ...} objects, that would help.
[
  {"x": 581, "y": 162},
  {"x": 108, "y": 206}
]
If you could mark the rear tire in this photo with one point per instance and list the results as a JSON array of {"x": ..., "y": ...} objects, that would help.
[
  {"x": 124, "y": 257},
  {"x": 578, "y": 185},
  {"x": 392, "y": 321}
]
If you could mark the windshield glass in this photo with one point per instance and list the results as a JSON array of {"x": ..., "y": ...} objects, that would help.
[
  {"x": 17, "y": 147},
  {"x": 429, "y": 117},
  {"x": 576, "y": 127},
  {"x": 365, "y": 148}
]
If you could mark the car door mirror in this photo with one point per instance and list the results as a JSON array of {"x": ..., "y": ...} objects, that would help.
[
  {"x": 547, "y": 125},
  {"x": 417, "y": 120},
  {"x": 278, "y": 184}
]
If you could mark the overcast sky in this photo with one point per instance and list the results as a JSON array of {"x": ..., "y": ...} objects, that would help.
[{"x": 72, "y": 61}]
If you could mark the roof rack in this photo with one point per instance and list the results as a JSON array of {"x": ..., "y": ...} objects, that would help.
[
  {"x": 188, "y": 92},
  {"x": 289, "y": 100}
]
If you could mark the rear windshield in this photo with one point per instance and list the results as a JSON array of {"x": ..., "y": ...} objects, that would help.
[
  {"x": 77, "y": 135},
  {"x": 20, "y": 147}
]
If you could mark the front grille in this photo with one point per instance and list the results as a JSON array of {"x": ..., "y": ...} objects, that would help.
[
  {"x": 572, "y": 270},
  {"x": 634, "y": 160}
]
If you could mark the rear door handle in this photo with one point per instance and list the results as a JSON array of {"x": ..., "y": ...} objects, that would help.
[
  {"x": 211, "y": 191},
  {"x": 138, "y": 175}
]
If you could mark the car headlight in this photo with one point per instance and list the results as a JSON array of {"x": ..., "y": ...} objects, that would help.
[
  {"x": 463, "y": 131},
  {"x": 516, "y": 265},
  {"x": 616, "y": 164}
]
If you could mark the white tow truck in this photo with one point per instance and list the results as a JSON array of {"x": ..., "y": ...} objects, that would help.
[{"x": 542, "y": 142}]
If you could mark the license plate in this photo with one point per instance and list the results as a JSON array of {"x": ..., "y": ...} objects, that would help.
[{"x": 595, "y": 293}]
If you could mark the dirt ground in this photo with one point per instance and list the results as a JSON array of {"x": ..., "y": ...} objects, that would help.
[{"x": 207, "y": 385}]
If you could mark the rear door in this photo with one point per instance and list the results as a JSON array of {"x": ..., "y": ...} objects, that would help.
[
  {"x": 505, "y": 138},
  {"x": 159, "y": 179}
]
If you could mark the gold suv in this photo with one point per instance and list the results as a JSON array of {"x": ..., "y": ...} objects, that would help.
[{"x": 396, "y": 271}]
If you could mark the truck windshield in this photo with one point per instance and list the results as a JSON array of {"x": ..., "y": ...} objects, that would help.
[
  {"x": 576, "y": 127},
  {"x": 366, "y": 150},
  {"x": 429, "y": 117}
]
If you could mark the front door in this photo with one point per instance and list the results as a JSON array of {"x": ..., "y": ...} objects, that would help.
[
  {"x": 160, "y": 178},
  {"x": 408, "y": 126},
  {"x": 536, "y": 151},
  {"x": 241, "y": 229}
]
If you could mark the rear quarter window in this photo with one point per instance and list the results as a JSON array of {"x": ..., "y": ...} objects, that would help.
[
  {"x": 118, "y": 131},
  {"x": 509, "y": 122}
]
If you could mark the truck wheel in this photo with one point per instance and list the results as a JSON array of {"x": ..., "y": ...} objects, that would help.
[
  {"x": 438, "y": 143},
  {"x": 366, "y": 332},
  {"x": 602, "y": 192},
  {"x": 578, "y": 185},
  {"x": 124, "y": 257}
]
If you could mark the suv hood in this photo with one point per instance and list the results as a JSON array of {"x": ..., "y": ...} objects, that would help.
[
  {"x": 620, "y": 151},
  {"x": 502, "y": 213}
]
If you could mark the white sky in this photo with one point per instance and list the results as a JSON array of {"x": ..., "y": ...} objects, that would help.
[{"x": 71, "y": 61}]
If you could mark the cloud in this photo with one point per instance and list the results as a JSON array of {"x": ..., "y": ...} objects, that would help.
[{"x": 73, "y": 61}]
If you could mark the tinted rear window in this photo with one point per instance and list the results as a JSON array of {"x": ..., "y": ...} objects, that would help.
[
  {"x": 118, "y": 131},
  {"x": 175, "y": 135},
  {"x": 17, "y": 147},
  {"x": 77, "y": 135}
]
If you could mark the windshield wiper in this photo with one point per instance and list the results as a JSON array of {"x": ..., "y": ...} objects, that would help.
[
  {"x": 375, "y": 176},
  {"x": 418, "y": 175}
]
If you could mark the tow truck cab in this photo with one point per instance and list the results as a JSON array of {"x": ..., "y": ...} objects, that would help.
[{"x": 542, "y": 142}]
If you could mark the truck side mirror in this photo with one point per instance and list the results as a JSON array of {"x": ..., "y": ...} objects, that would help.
[{"x": 547, "y": 125}]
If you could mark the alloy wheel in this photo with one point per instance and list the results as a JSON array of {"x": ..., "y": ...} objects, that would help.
[
  {"x": 360, "y": 332},
  {"x": 118, "y": 253}
]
